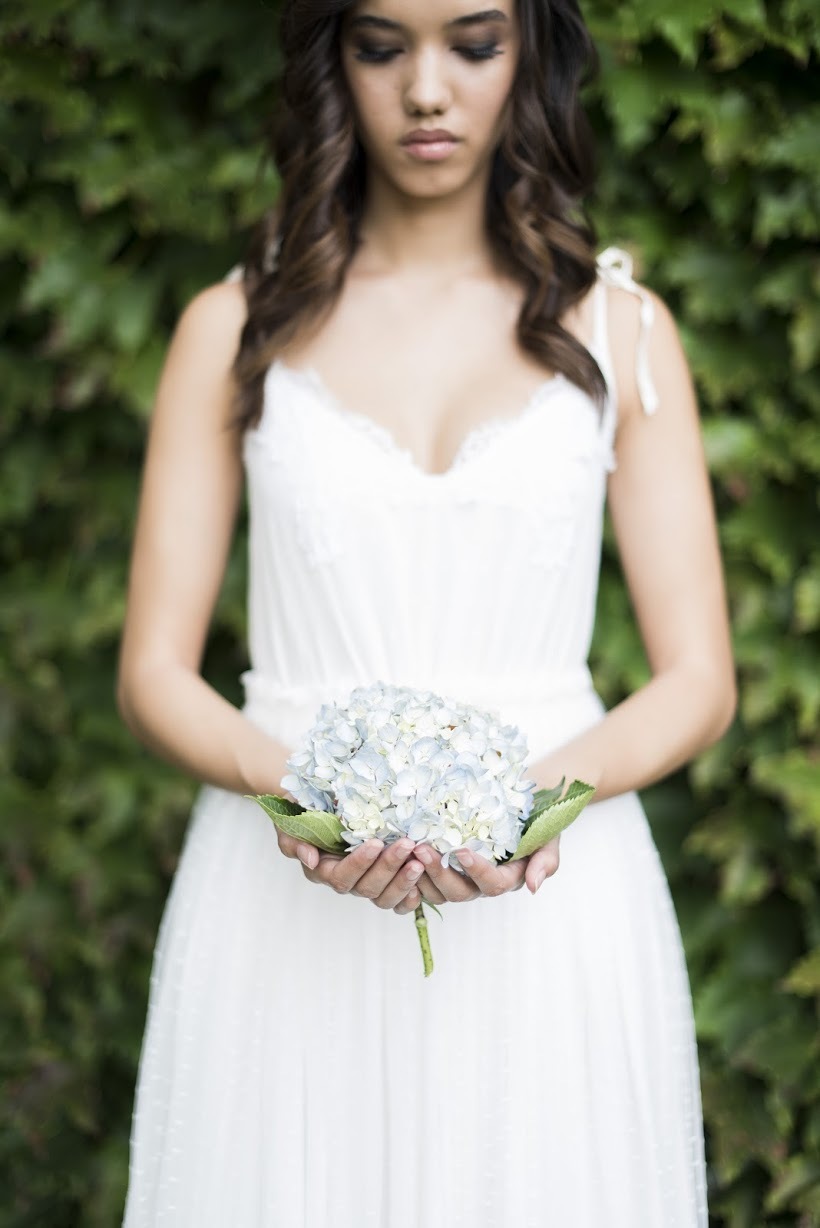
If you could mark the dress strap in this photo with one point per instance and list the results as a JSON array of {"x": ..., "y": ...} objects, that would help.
[{"x": 615, "y": 269}]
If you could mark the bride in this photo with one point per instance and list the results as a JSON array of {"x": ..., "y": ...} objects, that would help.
[{"x": 430, "y": 385}]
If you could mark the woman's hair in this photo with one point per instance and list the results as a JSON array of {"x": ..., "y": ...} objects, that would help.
[{"x": 542, "y": 171}]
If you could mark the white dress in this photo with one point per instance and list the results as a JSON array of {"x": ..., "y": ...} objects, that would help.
[{"x": 298, "y": 1070}]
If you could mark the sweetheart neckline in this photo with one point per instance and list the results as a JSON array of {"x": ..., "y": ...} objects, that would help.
[{"x": 483, "y": 431}]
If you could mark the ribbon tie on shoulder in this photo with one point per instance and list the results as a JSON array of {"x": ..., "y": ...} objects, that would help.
[{"x": 615, "y": 268}]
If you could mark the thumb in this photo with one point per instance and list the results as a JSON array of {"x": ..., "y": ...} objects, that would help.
[
  {"x": 542, "y": 864},
  {"x": 308, "y": 854}
]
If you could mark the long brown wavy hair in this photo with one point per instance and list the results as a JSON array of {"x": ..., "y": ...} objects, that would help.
[{"x": 542, "y": 172}]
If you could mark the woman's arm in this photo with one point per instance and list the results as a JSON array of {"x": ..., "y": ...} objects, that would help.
[
  {"x": 190, "y": 495},
  {"x": 661, "y": 507}
]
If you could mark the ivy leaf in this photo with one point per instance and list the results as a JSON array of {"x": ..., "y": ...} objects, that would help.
[
  {"x": 318, "y": 827},
  {"x": 798, "y": 1174},
  {"x": 553, "y": 816},
  {"x": 804, "y": 978}
]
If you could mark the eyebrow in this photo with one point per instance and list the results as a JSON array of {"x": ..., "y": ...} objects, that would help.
[{"x": 469, "y": 19}]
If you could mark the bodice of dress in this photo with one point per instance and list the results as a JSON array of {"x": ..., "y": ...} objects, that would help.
[{"x": 480, "y": 581}]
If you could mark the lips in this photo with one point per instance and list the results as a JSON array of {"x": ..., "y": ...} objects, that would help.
[{"x": 424, "y": 136}]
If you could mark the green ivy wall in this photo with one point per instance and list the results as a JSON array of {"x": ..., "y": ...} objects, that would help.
[{"x": 129, "y": 174}]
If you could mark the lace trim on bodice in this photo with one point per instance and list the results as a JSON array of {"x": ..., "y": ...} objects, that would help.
[
  {"x": 477, "y": 440},
  {"x": 614, "y": 266}
]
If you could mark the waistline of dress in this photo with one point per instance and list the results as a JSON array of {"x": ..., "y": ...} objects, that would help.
[{"x": 539, "y": 689}]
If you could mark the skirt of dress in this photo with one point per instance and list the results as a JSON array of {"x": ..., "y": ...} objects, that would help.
[{"x": 298, "y": 1070}]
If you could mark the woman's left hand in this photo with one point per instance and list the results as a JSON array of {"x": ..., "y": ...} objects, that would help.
[{"x": 481, "y": 877}]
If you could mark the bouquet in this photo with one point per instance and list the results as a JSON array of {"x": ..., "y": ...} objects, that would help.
[{"x": 395, "y": 762}]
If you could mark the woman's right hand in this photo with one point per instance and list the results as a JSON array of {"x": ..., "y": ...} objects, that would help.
[{"x": 386, "y": 874}]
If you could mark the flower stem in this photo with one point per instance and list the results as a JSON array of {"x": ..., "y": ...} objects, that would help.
[{"x": 424, "y": 939}]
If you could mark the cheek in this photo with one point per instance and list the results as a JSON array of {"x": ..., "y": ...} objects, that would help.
[
  {"x": 374, "y": 99},
  {"x": 488, "y": 99}
]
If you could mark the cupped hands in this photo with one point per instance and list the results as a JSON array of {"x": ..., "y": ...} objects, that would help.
[
  {"x": 401, "y": 874},
  {"x": 378, "y": 872}
]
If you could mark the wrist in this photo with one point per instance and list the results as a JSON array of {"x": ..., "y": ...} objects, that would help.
[
  {"x": 549, "y": 773},
  {"x": 261, "y": 764}
]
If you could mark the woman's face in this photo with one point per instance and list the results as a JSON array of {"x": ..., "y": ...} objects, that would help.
[{"x": 445, "y": 65}]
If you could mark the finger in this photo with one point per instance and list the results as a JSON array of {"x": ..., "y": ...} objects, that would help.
[
  {"x": 384, "y": 869},
  {"x": 308, "y": 854},
  {"x": 409, "y": 904},
  {"x": 542, "y": 864},
  {"x": 287, "y": 844},
  {"x": 323, "y": 870},
  {"x": 453, "y": 886},
  {"x": 400, "y": 885},
  {"x": 346, "y": 871},
  {"x": 429, "y": 890},
  {"x": 491, "y": 878}
]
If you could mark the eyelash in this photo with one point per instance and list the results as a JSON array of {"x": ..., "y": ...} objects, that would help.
[{"x": 376, "y": 55}]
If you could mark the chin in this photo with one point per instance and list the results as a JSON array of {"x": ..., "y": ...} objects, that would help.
[{"x": 427, "y": 185}]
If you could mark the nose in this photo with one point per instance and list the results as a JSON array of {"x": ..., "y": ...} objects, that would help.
[{"x": 426, "y": 89}]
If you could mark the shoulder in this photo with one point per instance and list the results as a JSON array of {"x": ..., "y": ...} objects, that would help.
[
  {"x": 624, "y": 311},
  {"x": 197, "y": 386},
  {"x": 213, "y": 321}
]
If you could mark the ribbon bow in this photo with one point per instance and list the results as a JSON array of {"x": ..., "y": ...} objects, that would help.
[{"x": 615, "y": 267}]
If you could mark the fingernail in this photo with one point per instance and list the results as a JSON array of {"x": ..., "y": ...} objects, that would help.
[
  {"x": 306, "y": 857},
  {"x": 425, "y": 856},
  {"x": 464, "y": 858},
  {"x": 414, "y": 871},
  {"x": 373, "y": 847},
  {"x": 539, "y": 878}
]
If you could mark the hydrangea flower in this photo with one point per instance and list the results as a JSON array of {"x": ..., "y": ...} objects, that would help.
[{"x": 394, "y": 761}]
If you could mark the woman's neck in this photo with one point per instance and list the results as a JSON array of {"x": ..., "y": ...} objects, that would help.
[{"x": 443, "y": 236}]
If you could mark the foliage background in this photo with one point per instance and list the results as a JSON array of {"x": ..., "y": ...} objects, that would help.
[{"x": 129, "y": 173}]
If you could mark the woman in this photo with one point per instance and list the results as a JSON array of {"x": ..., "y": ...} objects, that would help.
[{"x": 434, "y": 520}]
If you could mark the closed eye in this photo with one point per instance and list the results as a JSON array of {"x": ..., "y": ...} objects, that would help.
[
  {"x": 487, "y": 51},
  {"x": 383, "y": 55}
]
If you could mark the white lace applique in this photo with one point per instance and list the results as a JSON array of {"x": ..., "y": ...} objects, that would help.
[
  {"x": 615, "y": 267},
  {"x": 317, "y": 528},
  {"x": 545, "y": 486},
  {"x": 294, "y": 473},
  {"x": 571, "y": 488}
]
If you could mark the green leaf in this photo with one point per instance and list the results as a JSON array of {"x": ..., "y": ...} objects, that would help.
[
  {"x": 540, "y": 800},
  {"x": 274, "y": 804},
  {"x": 743, "y": 1124},
  {"x": 553, "y": 818},
  {"x": 804, "y": 977},
  {"x": 682, "y": 25},
  {"x": 800, "y": 1173},
  {"x": 316, "y": 826},
  {"x": 783, "y": 1049}
]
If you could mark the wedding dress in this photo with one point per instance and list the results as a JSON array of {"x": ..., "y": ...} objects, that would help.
[{"x": 298, "y": 1070}]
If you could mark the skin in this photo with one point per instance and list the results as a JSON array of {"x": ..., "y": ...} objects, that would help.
[{"x": 436, "y": 318}]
